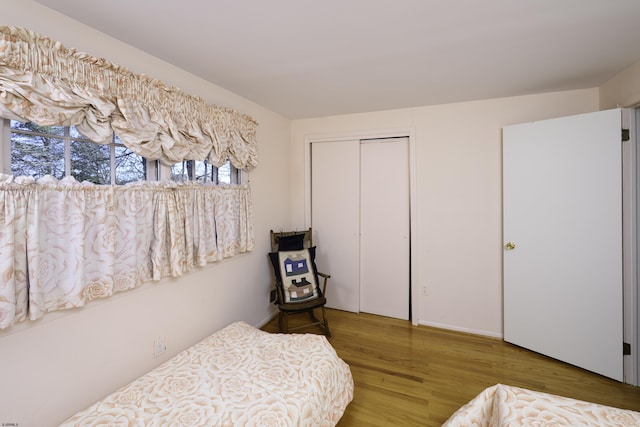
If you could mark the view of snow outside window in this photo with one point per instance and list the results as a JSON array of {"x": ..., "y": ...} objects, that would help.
[{"x": 62, "y": 151}]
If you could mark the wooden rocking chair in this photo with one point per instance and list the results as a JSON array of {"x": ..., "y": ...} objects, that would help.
[{"x": 296, "y": 243}]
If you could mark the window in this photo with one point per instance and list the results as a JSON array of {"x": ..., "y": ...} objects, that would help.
[
  {"x": 117, "y": 237},
  {"x": 62, "y": 151},
  {"x": 202, "y": 171}
]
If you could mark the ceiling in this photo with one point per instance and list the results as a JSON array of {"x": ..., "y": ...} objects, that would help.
[{"x": 312, "y": 58}]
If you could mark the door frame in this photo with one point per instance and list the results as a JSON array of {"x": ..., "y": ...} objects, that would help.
[
  {"x": 635, "y": 136},
  {"x": 630, "y": 242},
  {"x": 630, "y": 253},
  {"x": 408, "y": 132}
]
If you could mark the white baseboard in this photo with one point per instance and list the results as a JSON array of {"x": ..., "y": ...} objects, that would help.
[
  {"x": 267, "y": 320},
  {"x": 459, "y": 329}
]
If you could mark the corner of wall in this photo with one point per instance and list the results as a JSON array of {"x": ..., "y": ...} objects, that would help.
[{"x": 622, "y": 90}]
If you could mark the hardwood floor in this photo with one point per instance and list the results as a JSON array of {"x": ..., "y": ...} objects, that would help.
[{"x": 409, "y": 375}]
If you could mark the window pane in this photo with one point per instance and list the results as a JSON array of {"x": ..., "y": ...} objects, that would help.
[
  {"x": 179, "y": 171},
  {"x": 191, "y": 170},
  {"x": 32, "y": 127},
  {"x": 224, "y": 173},
  {"x": 90, "y": 162},
  {"x": 44, "y": 150},
  {"x": 37, "y": 156},
  {"x": 202, "y": 171},
  {"x": 130, "y": 167}
]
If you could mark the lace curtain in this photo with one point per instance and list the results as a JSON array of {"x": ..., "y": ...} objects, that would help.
[
  {"x": 44, "y": 82},
  {"x": 65, "y": 243}
]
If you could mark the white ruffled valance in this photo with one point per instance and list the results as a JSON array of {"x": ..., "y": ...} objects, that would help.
[
  {"x": 46, "y": 83},
  {"x": 65, "y": 243}
]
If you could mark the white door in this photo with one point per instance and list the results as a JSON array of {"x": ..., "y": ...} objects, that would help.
[
  {"x": 335, "y": 216},
  {"x": 384, "y": 227},
  {"x": 562, "y": 219}
]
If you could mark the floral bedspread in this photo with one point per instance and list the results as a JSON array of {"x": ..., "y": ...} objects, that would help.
[
  {"x": 239, "y": 376},
  {"x": 502, "y": 405}
]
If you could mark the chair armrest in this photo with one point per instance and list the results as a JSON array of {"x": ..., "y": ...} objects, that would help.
[
  {"x": 325, "y": 276},
  {"x": 279, "y": 296}
]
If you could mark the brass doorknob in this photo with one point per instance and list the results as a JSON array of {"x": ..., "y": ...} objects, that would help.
[{"x": 510, "y": 245}]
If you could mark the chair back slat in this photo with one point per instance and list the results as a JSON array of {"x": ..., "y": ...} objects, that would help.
[{"x": 308, "y": 239}]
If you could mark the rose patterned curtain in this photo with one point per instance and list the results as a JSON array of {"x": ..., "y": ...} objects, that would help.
[
  {"x": 46, "y": 83},
  {"x": 65, "y": 243}
]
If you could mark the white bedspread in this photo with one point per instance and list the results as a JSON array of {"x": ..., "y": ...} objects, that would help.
[
  {"x": 239, "y": 376},
  {"x": 502, "y": 406}
]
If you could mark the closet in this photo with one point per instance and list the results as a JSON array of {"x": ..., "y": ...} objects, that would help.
[{"x": 360, "y": 213}]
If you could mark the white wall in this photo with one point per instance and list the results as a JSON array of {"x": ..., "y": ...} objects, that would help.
[
  {"x": 51, "y": 368},
  {"x": 622, "y": 90},
  {"x": 458, "y": 157}
]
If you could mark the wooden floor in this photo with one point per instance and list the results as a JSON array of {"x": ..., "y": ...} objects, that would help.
[{"x": 409, "y": 375}]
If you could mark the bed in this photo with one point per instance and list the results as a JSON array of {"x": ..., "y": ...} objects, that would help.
[
  {"x": 239, "y": 376},
  {"x": 502, "y": 405}
]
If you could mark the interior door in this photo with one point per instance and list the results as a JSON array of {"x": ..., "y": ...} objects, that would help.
[
  {"x": 335, "y": 216},
  {"x": 563, "y": 239},
  {"x": 384, "y": 227}
]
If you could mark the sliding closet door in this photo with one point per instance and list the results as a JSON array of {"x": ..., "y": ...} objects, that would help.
[
  {"x": 335, "y": 183},
  {"x": 360, "y": 214},
  {"x": 384, "y": 227}
]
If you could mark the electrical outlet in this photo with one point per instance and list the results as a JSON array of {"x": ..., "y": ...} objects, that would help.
[
  {"x": 159, "y": 346},
  {"x": 425, "y": 290}
]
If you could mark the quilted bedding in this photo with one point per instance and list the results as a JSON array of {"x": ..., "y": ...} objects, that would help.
[
  {"x": 501, "y": 406},
  {"x": 239, "y": 376}
]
